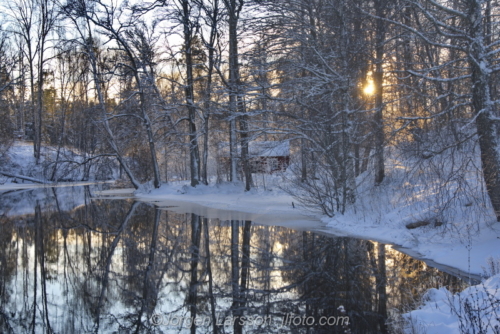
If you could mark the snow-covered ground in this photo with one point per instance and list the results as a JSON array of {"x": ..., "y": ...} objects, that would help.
[
  {"x": 467, "y": 250},
  {"x": 474, "y": 310},
  {"x": 226, "y": 202},
  {"x": 19, "y": 160},
  {"x": 468, "y": 240},
  {"x": 462, "y": 231}
]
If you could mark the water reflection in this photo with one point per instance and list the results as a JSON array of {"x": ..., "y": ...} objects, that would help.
[{"x": 74, "y": 265}]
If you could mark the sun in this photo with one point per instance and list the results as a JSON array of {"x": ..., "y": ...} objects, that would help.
[{"x": 369, "y": 88}]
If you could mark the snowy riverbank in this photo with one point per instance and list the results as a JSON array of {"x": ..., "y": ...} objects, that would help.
[
  {"x": 58, "y": 164},
  {"x": 468, "y": 237},
  {"x": 474, "y": 310},
  {"x": 470, "y": 246},
  {"x": 466, "y": 249}
]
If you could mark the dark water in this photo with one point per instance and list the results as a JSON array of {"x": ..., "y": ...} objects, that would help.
[{"x": 70, "y": 264}]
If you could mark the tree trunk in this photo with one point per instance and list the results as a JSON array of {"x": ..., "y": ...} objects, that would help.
[
  {"x": 39, "y": 104},
  {"x": 303, "y": 160},
  {"x": 236, "y": 104},
  {"x": 235, "y": 273},
  {"x": 233, "y": 154},
  {"x": 194, "y": 152},
  {"x": 381, "y": 281},
  {"x": 149, "y": 290},
  {"x": 213, "y": 14},
  {"x": 378, "y": 78},
  {"x": 482, "y": 106},
  {"x": 210, "y": 276},
  {"x": 195, "y": 256}
]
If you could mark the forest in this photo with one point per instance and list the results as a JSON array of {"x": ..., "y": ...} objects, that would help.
[{"x": 358, "y": 89}]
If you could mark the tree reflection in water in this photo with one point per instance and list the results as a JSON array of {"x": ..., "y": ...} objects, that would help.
[{"x": 118, "y": 266}]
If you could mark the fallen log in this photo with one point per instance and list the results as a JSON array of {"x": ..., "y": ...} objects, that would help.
[
  {"x": 418, "y": 224},
  {"x": 421, "y": 223},
  {"x": 27, "y": 178}
]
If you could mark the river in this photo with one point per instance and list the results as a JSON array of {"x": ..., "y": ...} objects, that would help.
[{"x": 75, "y": 263}]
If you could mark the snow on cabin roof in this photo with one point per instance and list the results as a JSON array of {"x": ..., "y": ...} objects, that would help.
[
  {"x": 261, "y": 148},
  {"x": 269, "y": 148}
]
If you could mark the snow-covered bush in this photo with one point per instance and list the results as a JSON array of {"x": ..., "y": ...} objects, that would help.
[{"x": 474, "y": 310}]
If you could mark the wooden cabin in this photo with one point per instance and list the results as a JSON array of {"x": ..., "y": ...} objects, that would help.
[{"x": 265, "y": 156}]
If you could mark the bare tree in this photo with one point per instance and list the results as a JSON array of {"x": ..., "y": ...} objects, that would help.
[
  {"x": 212, "y": 18},
  {"x": 378, "y": 80},
  {"x": 76, "y": 11},
  {"x": 328, "y": 69},
  {"x": 34, "y": 21},
  {"x": 131, "y": 40},
  {"x": 188, "y": 22},
  {"x": 237, "y": 108},
  {"x": 465, "y": 28},
  {"x": 7, "y": 82}
]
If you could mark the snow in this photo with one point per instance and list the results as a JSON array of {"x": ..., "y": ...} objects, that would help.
[
  {"x": 474, "y": 310},
  {"x": 269, "y": 148},
  {"x": 228, "y": 201},
  {"x": 444, "y": 190},
  {"x": 19, "y": 196},
  {"x": 468, "y": 253},
  {"x": 260, "y": 149},
  {"x": 466, "y": 240},
  {"x": 19, "y": 160},
  {"x": 465, "y": 243}
]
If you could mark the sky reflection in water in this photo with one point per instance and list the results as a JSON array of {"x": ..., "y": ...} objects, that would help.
[{"x": 70, "y": 264}]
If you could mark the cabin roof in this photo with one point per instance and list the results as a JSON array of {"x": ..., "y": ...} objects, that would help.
[{"x": 261, "y": 148}]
